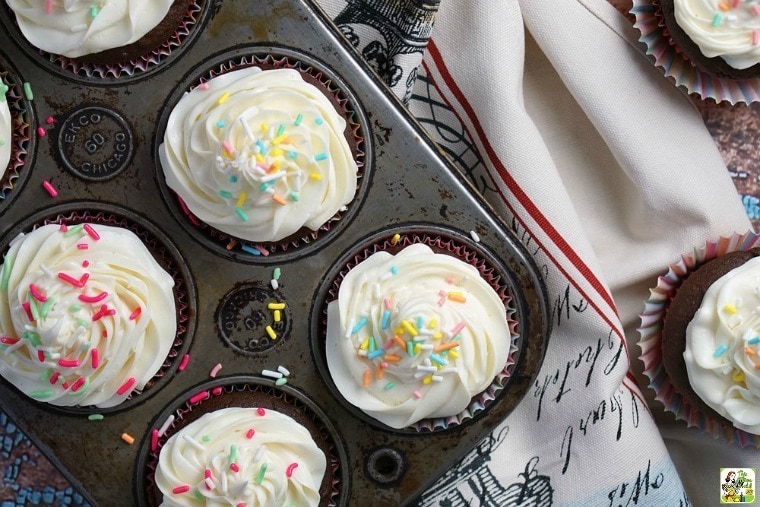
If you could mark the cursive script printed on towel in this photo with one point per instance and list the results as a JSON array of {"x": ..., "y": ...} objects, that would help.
[{"x": 635, "y": 491}]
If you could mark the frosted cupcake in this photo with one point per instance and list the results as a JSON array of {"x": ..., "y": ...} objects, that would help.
[
  {"x": 6, "y": 131},
  {"x": 241, "y": 456},
  {"x": 260, "y": 155},
  {"x": 416, "y": 335},
  {"x": 87, "y": 315}
]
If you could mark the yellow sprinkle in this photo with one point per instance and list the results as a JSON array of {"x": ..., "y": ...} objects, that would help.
[
  {"x": 260, "y": 158},
  {"x": 128, "y": 438},
  {"x": 277, "y": 316},
  {"x": 730, "y": 309},
  {"x": 365, "y": 344},
  {"x": 409, "y": 327},
  {"x": 276, "y": 306},
  {"x": 275, "y": 166},
  {"x": 453, "y": 354},
  {"x": 417, "y": 348},
  {"x": 739, "y": 377},
  {"x": 395, "y": 238},
  {"x": 279, "y": 139},
  {"x": 276, "y": 152},
  {"x": 315, "y": 176},
  {"x": 271, "y": 332},
  {"x": 264, "y": 127},
  {"x": 223, "y": 98},
  {"x": 456, "y": 297},
  {"x": 437, "y": 336},
  {"x": 241, "y": 199},
  {"x": 427, "y": 380},
  {"x": 432, "y": 323}
]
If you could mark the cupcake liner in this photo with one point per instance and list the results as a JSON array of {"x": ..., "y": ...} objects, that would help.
[
  {"x": 676, "y": 65},
  {"x": 456, "y": 246},
  {"x": 167, "y": 257},
  {"x": 355, "y": 131},
  {"x": 242, "y": 391},
  {"x": 650, "y": 341},
  {"x": 22, "y": 143},
  {"x": 137, "y": 66}
]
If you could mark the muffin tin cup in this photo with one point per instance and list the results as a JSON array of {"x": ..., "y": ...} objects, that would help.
[
  {"x": 304, "y": 241},
  {"x": 651, "y": 338},
  {"x": 167, "y": 256}
]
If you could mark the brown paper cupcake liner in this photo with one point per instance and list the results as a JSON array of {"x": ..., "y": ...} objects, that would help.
[{"x": 21, "y": 135}]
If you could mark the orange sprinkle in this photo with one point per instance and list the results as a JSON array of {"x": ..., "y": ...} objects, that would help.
[
  {"x": 279, "y": 200},
  {"x": 749, "y": 351},
  {"x": 724, "y": 6},
  {"x": 367, "y": 377},
  {"x": 400, "y": 341},
  {"x": 380, "y": 373},
  {"x": 128, "y": 438},
  {"x": 391, "y": 358},
  {"x": 231, "y": 244},
  {"x": 445, "y": 346},
  {"x": 456, "y": 297}
]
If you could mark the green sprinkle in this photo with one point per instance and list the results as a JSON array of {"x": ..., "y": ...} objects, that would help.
[
  {"x": 233, "y": 453},
  {"x": 7, "y": 267},
  {"x": 280, "y": 130},
  {"x": 83, "y": 324},
  {"x": 242, "y": 214},
  {"x": 93, "y": 11},
  {"x": 198, "y": 495},
  {"x": 717, "y": 19},
  {"x": 28, "y": 91},
  {"x": 299, "y": 119},
  {"x": 410, "y": 347},
  {"x": 45, "y": 377},
  {"x": 75, "y": 308},
  {"x": 95, "y": 417},
  {"x": 33, "y": 307},
  {"x": 3, "y": 90},
  {"x": 42, "y": 393},
  {"x": 294, "y": 195},
  {"x": 265, "y": 185},
  {"x": 206, "y": 438},
  {"x": 276, "y": 273},
  {"x": 225, "y": 194},
  {"x": 262, "y": 471},
  {"x": 281, "y": 381},
  {"x": 389, "y": 386},
  {"x": 2, "y": 143},
  {"x": 74, "y": 230},
  {"x": 32, "y": 337},
  {"x": 45, "y": 308}
]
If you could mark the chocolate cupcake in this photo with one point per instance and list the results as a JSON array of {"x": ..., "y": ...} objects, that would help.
[
  {"x": 700, "y": 335},
  {"x": 252, "y": 443},
  {"x": 92, "y": 314},
  {"x": 420, "y": 334},
  {"x": 110, "y": 39},
  {"x": 263, "y": 153}
]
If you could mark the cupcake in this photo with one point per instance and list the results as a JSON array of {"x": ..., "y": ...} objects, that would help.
[
  {"x": 701, "y": 339},
  {"x": 241, "y": 456},
  {"x": 6, "y": 131},
  {"x": 242, "y": 441},
  {"x": 416, "y": 335},
  {"x": 721, "y": 37},
  {"x": 260, "y": 155},
  {"x": 16, "y": 143},
  {"x": 87, "y": 315}
]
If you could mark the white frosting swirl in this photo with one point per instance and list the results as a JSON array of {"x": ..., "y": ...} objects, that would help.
[
  {"x": 415, "y": 336},
  {"x": 259, "y": 154},
  {"x": 83, "y": 321},
  {"x": 722, "y": 352},
  {"x": 76, "y": 28},
  {"x": 6, "y": 135},
  {"x": 237, "y": 456},
  {"x": 725, "y": 33}
]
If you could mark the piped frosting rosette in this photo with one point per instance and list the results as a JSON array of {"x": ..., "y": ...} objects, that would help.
[
  {"x": 75, "y": 28},
  {"x": 722, "y": 343},
  {"x": 259, "y": 154},
  {"x": 415, "y": 336},
  {"x": 87, "y": 316},
  {"x": 241, "y": 456},
  {"x": 675, "y": 65}
]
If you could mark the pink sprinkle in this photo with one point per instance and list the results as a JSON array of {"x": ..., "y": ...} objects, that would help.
[
  {"x": 91, "y": 232},
  {"x": 8, "y": 340},
  {"x": 289, "y": 471},
  {"x": 83, "y": 246},
  {"x": 63, "y": 227},
  {"x": 263, "y": 250},
  {"x": 417, "y": 394},
  {"x": 104, "y": 334},
  {"x": 199, "y": 397},
  {"x": 441, "y": 301},
  {"x": 756, "y": 9},
  {"x": 41, "y": 132},
  {"x": 261, "y": 411},
  {"x": 216, "y": 391},
  {"x": 234, "y": 467},
  {"x": 36, "y": 293},
  {"x": 228, "y": 147},
  {"x": 736, "y": 3},
  {"x": 387, "y": 304},
  {"x": 73, "y": 281},
  {"x": 50, "y": 189},
  {"x": 68, "y": 363},
  {"x": 187, "y": 212},
  {"x": 103, "y": 312},
  {"x": 54, "y": 378},
  {"x": 456, "y": 329},
  {"x": 126, "y": 386},
  {"x": 451, "y": 280},
  {"x": 95, "y": 358},
  {"x": 85, "y": 263},
  {"x": 249, "y": 434},
  {"x": 178, "y": 490},
  {"x": 207, "y": 474},
  {"x": 215, "y": 370},
  {"x": 755, "y": 37},
  {"x": 154, "y": 440},
  {"x": 93, "y": 299},
  {"x": 183, "y": 362},
  {"x": 203, "y": 86},
  {"x": 241, "y": 504},
  {"x": 48, "y": 6},
  {"x": 28, "y": 310},
  {"x": 65, "y": 386},
  {"x": 135, "y": 314},
  {"x": 41, "y": 356},
  {"x": 49, "y": 120},
  {"x": 78, "y": 383}
]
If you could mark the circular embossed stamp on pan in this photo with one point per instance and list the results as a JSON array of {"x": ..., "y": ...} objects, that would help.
[
  {"x": 241, "y": 193},
  {"x": 95, "y": 143},
  {"x": 69, "y": 217}
]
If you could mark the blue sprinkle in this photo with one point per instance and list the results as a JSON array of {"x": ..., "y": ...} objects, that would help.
[
  {"x": 438, "y": 359},
  {"x": 320, "y": 156},
  {"x": 250, "y": 250},
  {"x": 420, "y": 322},
  {"x": 292, "y": 155},
  {"x": 362, "y": 322},
  {"x": 753, "y": 341},
  {"x": 318, "y": 121},
  {"x": 386, "y": 319},
  {"x": 720, "y": 351},
  {"x": 220, "y": 124},
  {"x": 233, "y": 179},
  {"x": 376, "y": 353},
  {"x": 394, "y": 270}
]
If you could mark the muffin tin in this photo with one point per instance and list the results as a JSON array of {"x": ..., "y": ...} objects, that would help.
[{"x": 99, "y": 153}]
